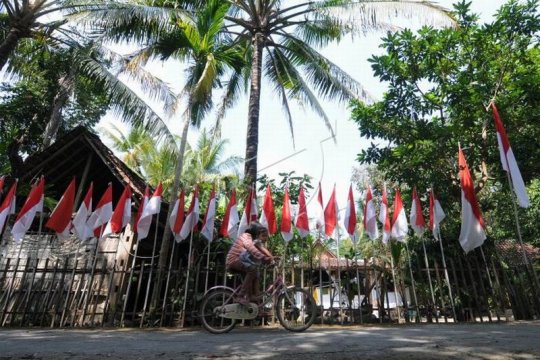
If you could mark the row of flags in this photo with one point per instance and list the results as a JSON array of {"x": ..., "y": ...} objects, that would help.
[{"x": 103, "y": 220}]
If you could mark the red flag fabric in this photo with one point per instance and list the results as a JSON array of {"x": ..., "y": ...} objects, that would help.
[
  {"x": 208, "y": 225},
  {"x": 319, "y": 223},
  {"x": 350, "y": 216},
  {"x": 302, "y": 219},
  {"x": 121, "y": 214},
  {"x": 399, "y": 220},
  {"x": 509, "y": 162},
  {"x": 370, "y": 216},
  {"x": 417, "y": 218},
  {"x": 8, "y": 206},
  {"x": 330, "y": 215},
  {"x": 32, "y": 205},
  {"x": 286, "y": 218},
  {"x": 436, "y": 214},
  {"x": 80, "y": 220},
  {"x": 472, "y": 232},
  {"x": 250, "y": 211},
  {"x": 229, "y": 226},
  {"x": 384, "y": 217},
  {"x": 102, "y": 213},
  {"x": 192, "y": 217},
  {"x": 268, "y": 215},
  {"x": 60, "y": 219},
  {"x": 177, "y": 216},
  {"x": 2, "y": 179},
  {"x": 151, "y": 208},
  {"x": 142, "y": 204}
]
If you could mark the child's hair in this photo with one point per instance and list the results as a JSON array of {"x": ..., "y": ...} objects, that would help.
[{"x": 255, "y": 228}]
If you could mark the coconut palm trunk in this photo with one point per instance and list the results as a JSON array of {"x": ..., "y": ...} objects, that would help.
[{"x": 9, "y": 44}]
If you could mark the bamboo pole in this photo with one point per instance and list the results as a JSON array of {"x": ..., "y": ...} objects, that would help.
[
  {"x": 207, "y": 267},
  {"x": 438, "y": 237},
  {"x": 130, "y": 278},
  {"x": 398, "y": 308},
  {"x": 149, "y": 283},
  {"x": 164, "y": 305},
  {"x": 183, "y": 318},
  {"x": 70, "y": 287},
  {"x": 412, "y": 282},
  {"x": 428, "y": 271}
]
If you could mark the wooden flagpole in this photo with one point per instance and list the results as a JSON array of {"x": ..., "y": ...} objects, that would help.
[
  {"x": 149, "y": 283},
  {"x": 164, "y": 305},
  {"x": 426, "y": 261},
  {"x": 437, "y": 235},
  {"x": 183, "y": 318},
  {"x": 128, "y": 290},
  {"x": 395, "y": 285},
  {"x": 412, "y": 281}
]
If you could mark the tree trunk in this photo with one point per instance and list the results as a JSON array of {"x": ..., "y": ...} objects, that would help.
[
  {"x": 8, "y": 45},
  {"x": 252, "y": 139},
  {"x": 165, "y": 242},
  {"x": 66, "y": 86}
]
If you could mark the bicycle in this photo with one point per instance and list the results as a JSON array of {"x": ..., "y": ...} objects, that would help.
[{"x": 293, "y": 306}]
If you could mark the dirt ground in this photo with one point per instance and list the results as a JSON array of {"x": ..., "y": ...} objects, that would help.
[{"x": 513, "y": 340}]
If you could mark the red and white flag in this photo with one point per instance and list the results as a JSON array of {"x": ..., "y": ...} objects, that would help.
[
  {"x": 192, "y": 217},
  {"x": 80, "y": 220},
  {"x": 302, "y": 219},
  {"x": 102, "y": 213},
  {"x": 436, "y": 214},
  {"x": 286, "y": 227},
  {"x": 32, "y": 205},
  {"x": 229, "y": 226},
  {"x": 417, "y": 218},
  {"x": 208, "y": 225},
  {"x": 331, "y": 216},
  {"x": 268, "y": 215},
  {"x": 140, "y": 209},
  {"x": 509, "y": 162},
  {"x": 176, "y": 220},
  {"x": 370, "y": 216},
  {"x": 250, "y": 211},
  {"x": 350, "y": 216},
  {"x": 152, "y": 207},
  {"x": 472, "y": 232},
  {"x": 319, "y": 211},
  {"x": 8, "y": 206},
  {"x": 121, "y": 215},
  {"x": 60, "y": 219},
  {"x": 384, "y": 217},
  {"x": 2, "y": 179},
  {"x": 399, "y": 219}
]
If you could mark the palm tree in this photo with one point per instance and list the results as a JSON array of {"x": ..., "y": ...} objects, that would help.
[{"x": 281, "y": 41}]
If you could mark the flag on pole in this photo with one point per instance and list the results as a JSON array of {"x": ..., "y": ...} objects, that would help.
[
  {"x": 436, "y": 214},
  {"x": 80, "y": 220},
  {"x": 472, "y": 232},
  {"x": 330, "y": 215},
  {"x": 370, "y": 216},
  {"x": 152, "y": 207},
  {"x": 177, "y": 216},
  {"x": 121, "y": 214},
  {"x": 268, "y": 215},
  {"x": 60, "y": 219},
  {"x": 509, "y": 162},
  {"x": 102, "y": 213},
  {"x": 399, "y": 219},
  {"x": 140, "y": 210},
  {"x": 250, "y": 211},
  {"x": 229, "y": 226},
  {"x": 319, "y": 222},
  {"x": 192, "y": 217},
  {"x": 302, "y": 220},
  {"x": 2, "y": 179},
  {"x": 208, "y": 225},
  {"x": 8, "y": 205},
  {"x": 417, "y": 218},
  {"x": 350, "y": 216},
  {"x": 286, "y": 218},
  {"x": 384, "y": 217},
  {"x": 32, "y": 205}
]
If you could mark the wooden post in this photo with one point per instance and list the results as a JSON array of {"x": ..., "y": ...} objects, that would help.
[
  {"x": 130, "y": 281},
  {"x": 164, "y": 305},
  {"x": 183, "y": 318},
  {"x": 149, "y": 284}
]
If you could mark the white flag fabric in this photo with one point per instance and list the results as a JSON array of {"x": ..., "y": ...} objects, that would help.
[
  {"x": 436, "y": 214},
  {"x": 472, "y": 233},
  {"x": 102, "y": 213},
  {"x": 208, "y": 225},
  {"x": 8, "y": 206},
  {"x": 370, "y": 216},
  {"x": 250, "y": 212},
  {"x": 417, "y": 218},
  {"x": 140, "y": 209},
  {"x": 319, "y": 211},
  {"x": 400, "y": 227},
  {"x": 509, "y": 162},
  {"x": 192, "y": 217},
  {"x": 350, "y": 216},
  {"x": 176, "y": 220},
  {"x": 384, "y": 217},
  {"x": 80, "y": 220},
  {"x": 32, "y": 205},
  {"x": 151, "y": 208},
  {"x": 121, "y": 214},
  {"x": 229, "y": 226},
  {"x": 286, "y": 218}
]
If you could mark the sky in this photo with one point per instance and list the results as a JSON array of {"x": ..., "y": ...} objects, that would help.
[{"x": 315, "y": 153}]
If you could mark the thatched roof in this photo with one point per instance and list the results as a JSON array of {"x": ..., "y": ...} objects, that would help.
[{"x": 511, "y": 252}]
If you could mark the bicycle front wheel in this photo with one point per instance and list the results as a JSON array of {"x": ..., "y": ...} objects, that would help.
[
  {"x": 211, "y": 311},
  {"x": 296, "y": 309}
]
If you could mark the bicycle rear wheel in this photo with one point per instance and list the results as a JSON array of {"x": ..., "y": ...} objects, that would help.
[
  {"x": 295, "y": 309},
  {"x": 212, "y": 308}
]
